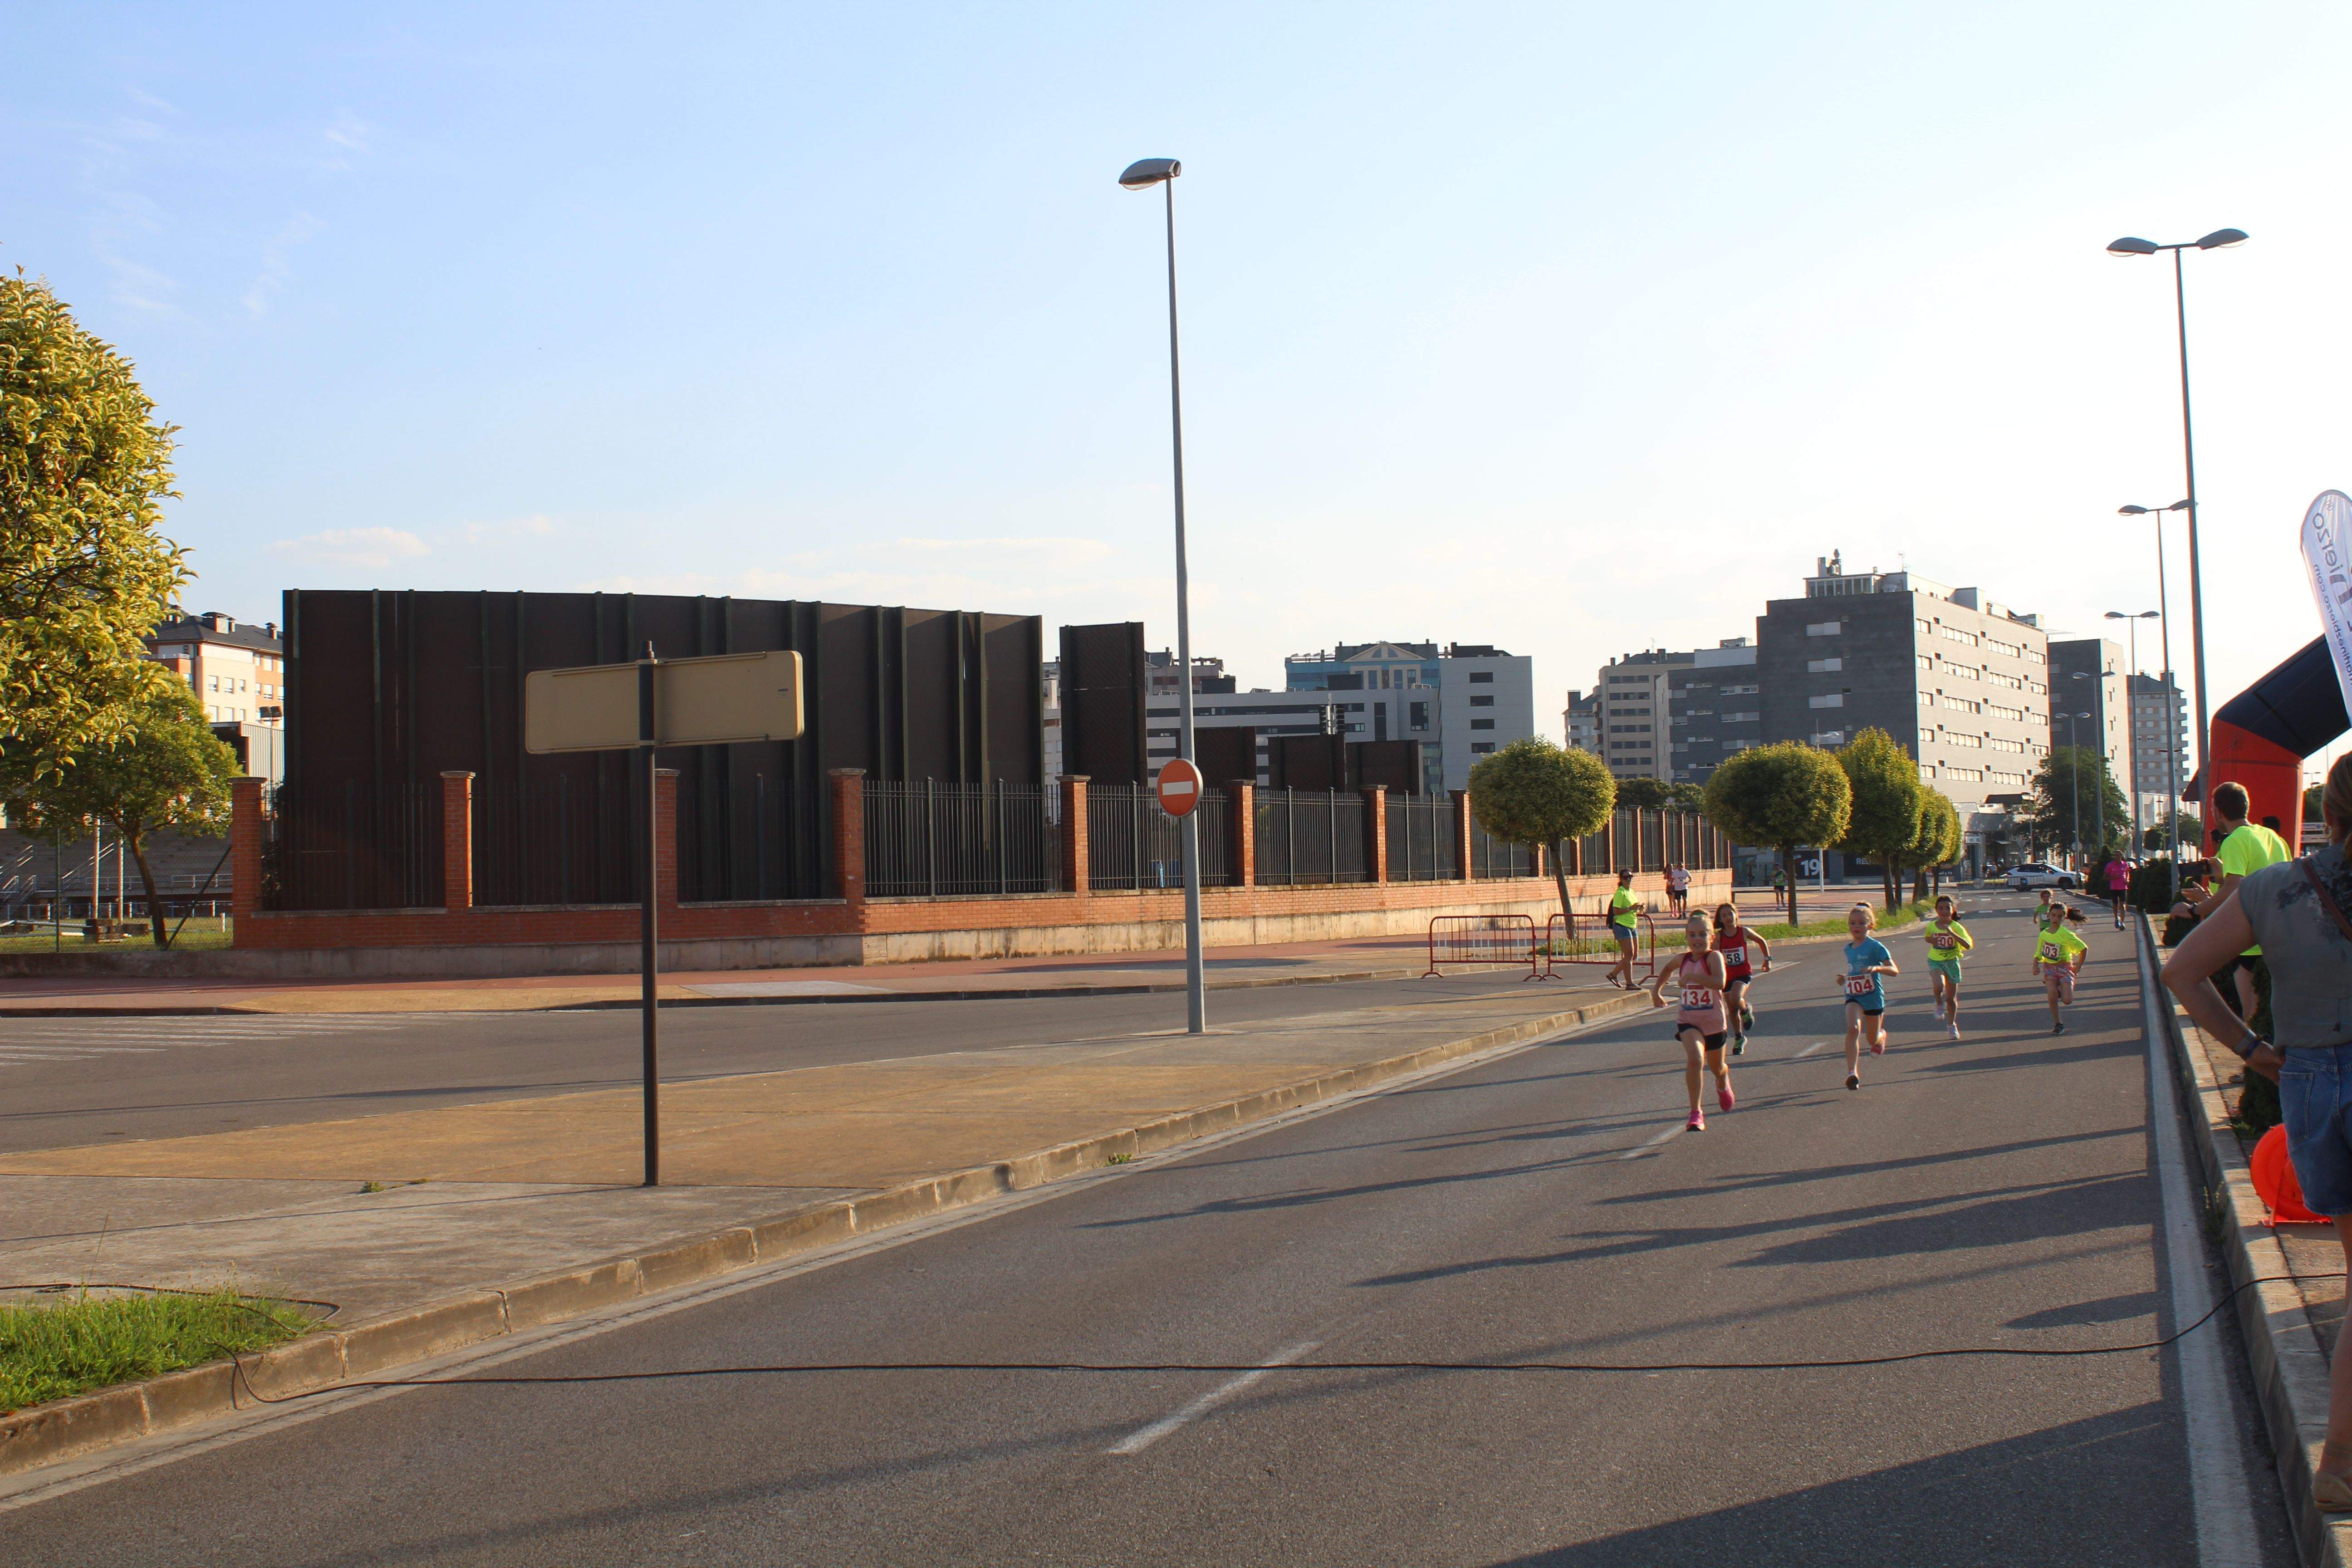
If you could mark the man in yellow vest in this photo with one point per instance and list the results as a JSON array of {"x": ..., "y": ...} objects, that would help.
[{"x": 2244, "y": 849}]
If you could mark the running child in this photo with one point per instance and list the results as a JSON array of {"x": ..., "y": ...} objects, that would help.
[
  {"x": 2059, "y": 954},
  {"x": 2041, "y": 919},
  {"x": 1866, "y": 959},
  {"x": 1622, "y": 926},
  {"x": 2118, "y": 871},
  {"x": 1947, "y": 943},
  {"x": 1741, "y": 947},
  {"x": 1700, "y": 1025}
]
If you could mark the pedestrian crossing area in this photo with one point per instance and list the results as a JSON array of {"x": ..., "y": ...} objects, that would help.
[{"x": 25, "y": 1042}]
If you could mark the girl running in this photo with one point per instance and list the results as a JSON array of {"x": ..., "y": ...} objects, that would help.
[
  {"x": 2118, "y": 886},
  {"x": 1700, "y": 1025},
  {"x": 1741, "y": 947},
  {"x": 2059, "y": 953},
  {"x": 1947, "y": 943},
  {"x": 1866, "y": 959}
]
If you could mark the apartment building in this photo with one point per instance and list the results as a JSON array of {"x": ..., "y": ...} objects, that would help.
[
  {"x": 1961, "y": 681},
  {"x": 1580, "y": 722},
  {"x": 1714, "y": 710},
  {"x": 1476, "y": 697},
  {"x": 1634, "y": 698},
  {"x": 2090, "y": 705},
  {"x": 238, "y": 671},
  {"x": 2159, "y": 736}
]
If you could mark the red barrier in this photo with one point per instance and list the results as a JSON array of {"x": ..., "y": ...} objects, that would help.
[
  {"x": 1483, "y": 941},
  {"x": 1588, "y": 939}
]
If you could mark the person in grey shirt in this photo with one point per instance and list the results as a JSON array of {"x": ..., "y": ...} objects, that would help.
[{"x": 2301, "y": 912}]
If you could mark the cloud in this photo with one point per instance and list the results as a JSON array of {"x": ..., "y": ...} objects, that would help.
[
  {"x": 1070, "y": 551},
  {"x": 349, "y": 132},
  {"x": 372, "y": 549},
  {"x": 537, "y": 526},
  {"x": 275, "y": 268}
]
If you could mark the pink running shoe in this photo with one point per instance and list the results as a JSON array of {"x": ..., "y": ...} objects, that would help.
[
  {"x": 1878, "y": 1046},
  {"x": 1697, "y": 1122},
  {"x": 1725, "y": 1097}
]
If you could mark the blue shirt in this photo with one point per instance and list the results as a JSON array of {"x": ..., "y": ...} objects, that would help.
[{"x": 1859, "y": 956}]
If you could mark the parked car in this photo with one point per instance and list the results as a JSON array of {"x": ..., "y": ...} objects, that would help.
[{"x": 2035, "y": 874}]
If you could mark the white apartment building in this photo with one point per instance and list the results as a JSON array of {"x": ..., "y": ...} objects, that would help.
[{"x": 238, "y": 672}]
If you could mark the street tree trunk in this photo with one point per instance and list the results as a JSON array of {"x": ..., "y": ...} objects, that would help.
[
  {"x": 1560, "y": 878},
  {"x": 1789, "y": 874},
  {"x": 137, "y": 846}
]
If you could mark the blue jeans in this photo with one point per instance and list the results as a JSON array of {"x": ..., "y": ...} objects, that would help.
[{"x": 2316, "y": 1098}]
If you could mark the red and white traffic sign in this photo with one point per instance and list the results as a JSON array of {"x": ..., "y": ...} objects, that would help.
[{"x": 1179, "y": 786}]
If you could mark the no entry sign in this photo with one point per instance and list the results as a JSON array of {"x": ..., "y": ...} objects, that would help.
[{"x": 1180, "y": 787}]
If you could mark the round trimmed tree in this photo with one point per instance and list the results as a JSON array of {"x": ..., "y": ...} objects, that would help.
[
  {"x": 1782, "y": 795},
  {"x": 1533, "y": 793}
]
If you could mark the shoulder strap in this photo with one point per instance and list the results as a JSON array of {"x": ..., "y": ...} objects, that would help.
[{"x": 2311, "y": 875}]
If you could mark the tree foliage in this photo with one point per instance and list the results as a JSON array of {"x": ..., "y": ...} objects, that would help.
[
  {"x": 2075, "y": 779},
  {"x": 2158, "y": 836},
  {"x": 1887, "y": 801},
  {"x": 1938, "y": 842},
  {"x": 170, "y": 771},
  {"x": 1534, "y": 793},
  {"x": 1782, "y": 795},
  {"x": 84, "y": 469},
  {"x": 1644, "y": 794}
]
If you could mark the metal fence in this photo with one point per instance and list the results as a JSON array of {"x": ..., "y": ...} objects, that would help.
[
  {"x": 1421, "y": 839},
  {"x": 930, "y": 839},
  {"x": 548, "y": 843},
  {"x": 1492, "y": 858},
  {"x": 1307, "y": 838},
  {"x": 1132, "y": 843},
  {"x": 348, "y": 848}
]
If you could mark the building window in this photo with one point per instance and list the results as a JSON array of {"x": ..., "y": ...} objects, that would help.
[
  {"x": 1475, "y": 724},
  {"x": 1828, "y": 700},
  {"x": 1824, "y": 628},
  {"x": 1823, "y": 666},
  {"x": 1486, "y": 701},
  {"x": 1737, "y": 717},
  {"x": 1924, "y": 662},
  {"x": 1417, "y": 714},
  {"x": 1480, "y": 747},
  {"x": 1741, "y": 691},
  {"x": 1482, "y": 678}
]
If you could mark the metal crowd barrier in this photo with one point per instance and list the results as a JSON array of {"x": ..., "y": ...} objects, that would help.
[
  {"x": 1587, "y": 939},
  {"x": 1482, "y": 941}
]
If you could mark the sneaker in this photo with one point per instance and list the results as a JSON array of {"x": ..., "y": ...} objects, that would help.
[
  {"x": 1697, "y": 1122},
  {"x": 1953, "y": 1030},
  {"x": 2059, "y": 1027},
  {"x": 1854, "y": 1080},
  {"x": 1878, "y": 1047},
  {"x": 1739, "y": 1044},
  {"x": 1724, "y": 1099}
]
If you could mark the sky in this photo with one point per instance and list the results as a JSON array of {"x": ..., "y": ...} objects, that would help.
[{"x": 1575, "y": 329}]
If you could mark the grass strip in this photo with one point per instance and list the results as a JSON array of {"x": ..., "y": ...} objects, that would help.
[
  {"x": 1910, "y": 914},
  {"x": 83, "y": 1343}
]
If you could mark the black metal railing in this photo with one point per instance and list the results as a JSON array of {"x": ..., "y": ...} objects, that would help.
[
  {"x": 1310, "y": 836},
  {"x": 550, "y": 843},
  {"x": 1492, "y": 858},
  {"x": 1421, "y": 838},
  {"x": 350, "y": 848},
  {"x": 1132, "y": 843},
  {"x": 929, "y": 839}
]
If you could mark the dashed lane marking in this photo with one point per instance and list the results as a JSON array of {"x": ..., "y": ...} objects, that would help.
[
  {"x": 1143, "y": 1438},
  {"x": 1641, "y": 1149}
]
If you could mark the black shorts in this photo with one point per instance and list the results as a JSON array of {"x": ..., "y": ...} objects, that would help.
[
  {"x": 1713, "y": 1042},
  {"x": 1868, "y": 1012}
]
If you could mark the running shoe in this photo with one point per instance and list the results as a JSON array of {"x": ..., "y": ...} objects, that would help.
[
  {"x": 1878, "y": 1047},
  {"x": 1739, "y": 1044},
  {"x": 1697, "y": 1122},
  {"x": 1952, "y": 1029},
  {"x": 1854, "y": 1080},
  {"x": 1724, "y": 1099},
  {"x": 2059, "y": 1027}
]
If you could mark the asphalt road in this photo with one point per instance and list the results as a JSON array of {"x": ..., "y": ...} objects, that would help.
[
  {"x": 2002, "y": 1190},
  {"x": 71, "y": 1081}
]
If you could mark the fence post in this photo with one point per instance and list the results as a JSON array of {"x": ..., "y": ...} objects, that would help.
[
  {"x": 1375, "y": 833},
  {"x": 1462, "y": 835},
  {"x": 1535, "y": 858},
  {"x": 1242, "y": 793},
  {"x": 244, "y": 856},
  {"x": 1073, "y": 834},
  {"x": 849, "y": 836},
  {"x": 457, "y": 840}
]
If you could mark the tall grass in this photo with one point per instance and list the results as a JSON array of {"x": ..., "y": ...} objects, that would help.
[{"x": 51, "y": 1351}]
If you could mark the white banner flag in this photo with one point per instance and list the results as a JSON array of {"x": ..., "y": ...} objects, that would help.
[{"x": 2327, "y": 554}]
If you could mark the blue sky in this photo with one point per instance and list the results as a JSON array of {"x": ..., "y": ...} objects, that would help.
[{"x": 1572, "y": 328}]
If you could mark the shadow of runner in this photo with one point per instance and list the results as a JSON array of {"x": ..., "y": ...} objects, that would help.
[{"x": 2106, "y": 1490}]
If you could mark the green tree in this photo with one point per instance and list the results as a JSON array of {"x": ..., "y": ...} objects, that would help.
[
  {"x": 1887, "y": 800},
  {"x": 1688, "y": 796},
  {"x": 1534, "y": 793},
  {"x": 84, "y": 469},
  {"x": 1644, "y": 794},
  {"x": 2074, "y": 779},
  {"x": 170, "y": 771},
  {"x": 1939, "y": 841},
  {"x": 2158, "y": 836},
  {"x": 1782, "y": 795}
]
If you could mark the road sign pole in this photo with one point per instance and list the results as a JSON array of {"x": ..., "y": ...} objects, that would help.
[{"x": 649, "y": 958}]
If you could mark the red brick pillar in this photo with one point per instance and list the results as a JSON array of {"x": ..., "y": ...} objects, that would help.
[
  {"x": 1462, "y": 832},
  {"x": 1073, "y": 834},
  {"x": 849, "y": 834},
  {"x": 457, "y": 840},
  {"x": 1609, "y": 843},
  {"x": 1242, "y": 793},
  {"x": 1375, "y": 833},
  {"x": 243, "y": 856},
  {"x": 1535, "y": 858},
  {"x": 665, "y": 840}
]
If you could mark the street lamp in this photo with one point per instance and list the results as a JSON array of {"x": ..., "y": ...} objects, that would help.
[
  {"x": 1141, "y": 175},
  {"x": 2131, "y": 631},
  {"x": 2220, "y": 239},
  {"x": 2171, "y": 703},
  {"x": 2099, "y": 776},
  {"x": 2074, "y": 775}
]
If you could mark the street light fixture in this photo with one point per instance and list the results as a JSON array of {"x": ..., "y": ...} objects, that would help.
[
  {"x": 2131, "y": 621},
  {"x": 2171, "y": 706},
  {"x": 2099, "y": 777},
  {"x": 1141, "y": 175},
  {"x": 2074, "y": 774},
  {"x": 2220, "y": 239}
]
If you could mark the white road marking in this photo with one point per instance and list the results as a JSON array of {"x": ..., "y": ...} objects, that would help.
[
  {"x": 1137, "y": 1441},
  {"x": 2223, "y": 1506},
  {"x": 1809, "y": 1050},
  {"x": 1641, "y": 1149}
]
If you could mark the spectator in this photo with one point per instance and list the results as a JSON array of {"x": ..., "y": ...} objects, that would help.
[
  {"x": 2240, "y": 848},
  {"x": 2295, "y": 910}
]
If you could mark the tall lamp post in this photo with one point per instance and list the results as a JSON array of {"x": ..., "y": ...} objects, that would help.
[
  {"x": 2131, "y": 635},
  {"x": 2220, "y": 239},
  {"x": 2098, "y": 715},
  {"x": 2171, "y": 704},
  {"x": 2074, "y": 774},
  {"x": 1141, "y": 175}
]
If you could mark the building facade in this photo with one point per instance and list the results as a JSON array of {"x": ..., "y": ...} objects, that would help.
[
  {"x": 1470, "y": 699},
  {"x": 2090, "y": 705},
  {"x": 238, "y": 671},
  {"x": 1961, "y": 681},
  {"x": 2159, "y": 736},
  {"x": 1714, "y": 710},
  {"x": 1634, "y": 694},
  {"x": 1580, "y": 722}
]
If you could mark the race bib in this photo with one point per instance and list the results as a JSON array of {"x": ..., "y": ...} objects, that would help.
[
  {"x": 1735, "y": 956},
  {"x": 1698, "y": 999},
  {"x": 2053, "y": 953},
  {"x": 1860, "y": 985},
  {"x": 1942, "y": 940}
]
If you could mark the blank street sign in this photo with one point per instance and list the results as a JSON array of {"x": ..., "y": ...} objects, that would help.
[{"x": 714, "y": 701}]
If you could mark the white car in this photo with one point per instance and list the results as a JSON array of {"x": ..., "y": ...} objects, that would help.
[{"x": 2034, "y": 874}]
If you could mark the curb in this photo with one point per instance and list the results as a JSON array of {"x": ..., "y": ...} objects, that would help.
[
  {"x": 1022, "y": 993},
  {"x": 2283, "y": 1347},
  {"x": 42, "y": 1434}
]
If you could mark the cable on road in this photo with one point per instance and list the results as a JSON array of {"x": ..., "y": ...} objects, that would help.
[{"x": 787, "y": 1369}]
